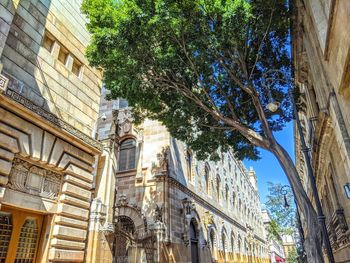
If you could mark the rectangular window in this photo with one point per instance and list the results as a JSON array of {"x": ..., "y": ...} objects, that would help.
[
  {"x": 77, "y": 66},
  {"x": 48, "y": 41},
  {"x": 62, "y": 55}
]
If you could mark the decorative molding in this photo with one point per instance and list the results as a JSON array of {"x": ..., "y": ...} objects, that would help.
[
  {"x": 52, "y": 118},
  {"x": 3, "y": 83},
  {"x": 28, "y": 178}
]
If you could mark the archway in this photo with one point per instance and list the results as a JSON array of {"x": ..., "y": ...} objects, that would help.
[
  {"x": 194, "y": 242},
  {"x": 124, "y": 239}
]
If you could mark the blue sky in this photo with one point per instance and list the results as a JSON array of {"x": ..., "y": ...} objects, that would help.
[{"x": 267, "y": 168}]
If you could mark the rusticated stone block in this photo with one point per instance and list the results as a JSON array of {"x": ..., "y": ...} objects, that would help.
[
  {"x": 62, "y": 220},
  {"x": 67, "y": 199},
  {"x": 73, "y": 211},
  {"x": 76, "y": 191},
  {"x": 76, "y": 181},
  {"x": 60, "y": 243},
  {"x": 65, "y": 232},
  {"x": 62, "y": 255},
  {"x": 77, "y": 171},
  {"x": 5, "y": 168},
  {"x": 6, "y": 155}
]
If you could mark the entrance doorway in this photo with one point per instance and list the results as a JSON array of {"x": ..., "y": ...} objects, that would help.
[
  {"x": 19, "y": 235},
  {"x": 194, "y": 243}
]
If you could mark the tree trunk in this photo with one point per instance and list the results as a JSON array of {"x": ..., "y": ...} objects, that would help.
[{"x": 312, "y": 228}]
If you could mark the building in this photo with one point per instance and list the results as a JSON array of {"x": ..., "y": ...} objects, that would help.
[
  {"x": 275, "y": 249},
  {"x": 288, "y": 245},
  {"x": 321, "y": 58},
  {"x": 49, "y": 104},
  {"x": 155, "y": 202}
]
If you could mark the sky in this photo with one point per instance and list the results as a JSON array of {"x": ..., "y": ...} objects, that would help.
[{"x": 267, "y": 168}]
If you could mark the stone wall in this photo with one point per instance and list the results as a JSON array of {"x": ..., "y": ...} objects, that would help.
[
  {"x": 35, "y": 69},
  {"x": 321, "y": 48},
  {"x": 155, "y": 193},
  {"x": 48, "y": 149}
]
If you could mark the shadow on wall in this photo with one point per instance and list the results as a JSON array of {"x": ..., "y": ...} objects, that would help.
[
  {"x": 176, "y": 164},
  {"x": 22, "y": 56}
]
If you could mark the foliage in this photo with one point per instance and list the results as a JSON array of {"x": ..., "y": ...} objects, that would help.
[
  {"x": 274, "y": 232},
  {"x": 292, "y": 256},
  {"x": 204, "y": 68},
  {"x": 279, "y": 213}
]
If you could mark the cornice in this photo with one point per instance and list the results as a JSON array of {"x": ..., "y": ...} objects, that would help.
[{"x": 52, "y": 118}]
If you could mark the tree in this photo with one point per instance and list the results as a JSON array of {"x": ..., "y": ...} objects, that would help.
[
  {"x": 292, "y": 257},
  {"x": 284, "y": 218},
  {"x": 283, "y": 215},
  {"x": 206, "y": 69}
]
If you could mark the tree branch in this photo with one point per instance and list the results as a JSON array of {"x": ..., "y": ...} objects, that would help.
[{"x": 262, "y": 41}]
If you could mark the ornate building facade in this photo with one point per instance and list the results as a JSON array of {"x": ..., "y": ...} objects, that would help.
[
  {"x": 155, "y": 202},
  {"x": 49, "y": 104},
  {"x": 321, "y": 58}
]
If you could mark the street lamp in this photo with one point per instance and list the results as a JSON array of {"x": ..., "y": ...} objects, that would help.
[
  {"x": 301, "y": 252},
  {"x": 347, "y": 190}
]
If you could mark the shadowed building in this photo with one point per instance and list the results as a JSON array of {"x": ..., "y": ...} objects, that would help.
[
  {"x": 49, "y": 103},
  {"x": 321, "y": 58},
  {"x": 155, "y": 202}
]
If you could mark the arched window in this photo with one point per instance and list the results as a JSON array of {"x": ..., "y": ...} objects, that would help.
[
  {"x": 233, "y": 199},
  {"x": 232, "y": 243},
  {"x": 223, "y": 239},
  {"x": 212, "y": 240},
  {"x": 226, "y": 193},
  {"x": 218, "y": 182},
  {"x": 206, "y": 178},
  {"x": 127, "y": 155},
  {"x": 189, "y": 160},
  {"x": 194, "y": 243}
]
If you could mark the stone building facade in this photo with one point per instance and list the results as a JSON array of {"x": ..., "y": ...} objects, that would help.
[
  {"x": 49, "y": 104},
  {"x": 155, "y": 202},
  {"x": 321, "y": 58}
]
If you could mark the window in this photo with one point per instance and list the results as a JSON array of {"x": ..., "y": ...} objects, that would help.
[
  {"x": 226, "y": 193},
  {"x": 77, "y": 66},
  {"x": 127, "y": 155},
  {"x": 232, "y": 243},
  {"x": 218, "y": 182},
  {"x": 233, "y": 199},
  {"x": 48, "y": 41},
  {"x": 62, "y": 55},
  {"x": 206, "y": 178},
  {"x": 223, "y": 239},
  {"x": 189, "y": 164}
]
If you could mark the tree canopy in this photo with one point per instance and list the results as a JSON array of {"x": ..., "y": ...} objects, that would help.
[{"x": 206, "y": 69}]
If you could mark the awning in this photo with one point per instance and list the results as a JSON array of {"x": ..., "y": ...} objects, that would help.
[{"x": 279, "y": 259}]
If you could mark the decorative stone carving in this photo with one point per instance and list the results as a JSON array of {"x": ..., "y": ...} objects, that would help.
[
  {"x": 123, "y": 120},
  {"x": 3, "y": 83},
  {"x": 31, "y": 179},
  {"x": 162, "y": 166},
  {"x": 122, "y": 200},
  {"x": 158, "y": 214}
]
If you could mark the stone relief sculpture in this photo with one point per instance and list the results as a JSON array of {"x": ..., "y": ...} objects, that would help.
[{"x": 31, "y": 179}]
